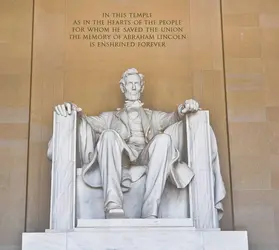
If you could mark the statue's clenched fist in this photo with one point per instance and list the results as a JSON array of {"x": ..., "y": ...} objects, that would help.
[
  {"x": 66, "y": 109},
  {"x": 189, "y": 106}
]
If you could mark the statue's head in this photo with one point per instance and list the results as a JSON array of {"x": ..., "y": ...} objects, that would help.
[{"x": 132, "y": 84}]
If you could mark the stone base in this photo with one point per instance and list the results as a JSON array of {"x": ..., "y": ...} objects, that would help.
[{"x": 136, "y": 237}]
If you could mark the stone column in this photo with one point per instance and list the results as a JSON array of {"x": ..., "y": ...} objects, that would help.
[
  {"x": 62, "y": 211},
  {"x": 201, "y": 189}
]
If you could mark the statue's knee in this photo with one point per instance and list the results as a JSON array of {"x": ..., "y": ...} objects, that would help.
[
  {"x": 163, "y": 138},
  {"x": 108, "y": 135}
]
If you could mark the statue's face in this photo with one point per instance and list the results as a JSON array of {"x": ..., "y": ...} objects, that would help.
[{"x": 132, "y": 88}]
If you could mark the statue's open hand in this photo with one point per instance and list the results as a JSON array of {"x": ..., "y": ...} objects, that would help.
[
  {"x": 66, "y": 109},
  {"x": 189, "y": 106}
]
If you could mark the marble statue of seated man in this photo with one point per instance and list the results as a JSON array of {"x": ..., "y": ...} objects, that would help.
[{"x": 126, "y": 144}]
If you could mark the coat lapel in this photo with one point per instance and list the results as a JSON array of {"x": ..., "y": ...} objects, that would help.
[
  {"x": 145, "y": 123},
  {"x": 123, "y": 117}
]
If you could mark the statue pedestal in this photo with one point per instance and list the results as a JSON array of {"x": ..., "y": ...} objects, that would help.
[{"x": 127, "y": 234}]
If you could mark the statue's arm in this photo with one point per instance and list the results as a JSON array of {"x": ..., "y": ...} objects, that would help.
[
  {"x": 97, "y": 123},
  {"x": 86, "y": 141},
  {"x": 88, "y": 128},
  {"x": 167, "y": 119},
  {"x": 164, "y": 119}
]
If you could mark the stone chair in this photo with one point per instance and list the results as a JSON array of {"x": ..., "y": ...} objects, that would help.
[
  {"x": 74, "y": 204},
  {"x": 76, "y": 210}
]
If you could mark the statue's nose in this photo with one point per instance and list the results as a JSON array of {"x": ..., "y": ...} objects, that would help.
[{"x": 134, "y": 87}]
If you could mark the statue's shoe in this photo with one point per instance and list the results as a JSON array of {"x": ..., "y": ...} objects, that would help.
[
  {"x": 115, "y": 213},
  {"x": 151, "y": 217}
]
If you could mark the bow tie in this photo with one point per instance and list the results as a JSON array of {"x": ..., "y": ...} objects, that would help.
[{"x": 133, "y": 104}]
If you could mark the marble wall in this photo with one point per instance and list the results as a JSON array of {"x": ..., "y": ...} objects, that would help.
[
  {"x": 15, "y": 70},
  {"x": 251, "y": 52}
]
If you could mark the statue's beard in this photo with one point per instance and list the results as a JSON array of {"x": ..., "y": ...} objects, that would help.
[{"x": 131, "y": 96}]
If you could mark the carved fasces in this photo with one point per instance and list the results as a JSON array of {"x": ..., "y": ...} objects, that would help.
[
  {"x": 202, "y": 205},
  {"x": 62, "y": 215}
]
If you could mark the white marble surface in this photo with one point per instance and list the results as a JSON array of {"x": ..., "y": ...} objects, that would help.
[
  {"x": 44, "y": 241},
  {"x": 89, "y": 201},
  {"x": 135, "y": 223},
  {"x": 203, "y": 209},
  {"x": 226, "y": 240},
  {"x": 62, "y": 210},
  {"x": 174, "y": 202},
  {"x": 141, "y": 239}
]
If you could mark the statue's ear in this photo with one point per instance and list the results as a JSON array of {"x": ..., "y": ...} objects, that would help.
[{"x": 142, "y": 88}]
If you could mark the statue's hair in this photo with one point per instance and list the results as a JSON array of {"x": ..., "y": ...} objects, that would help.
[{"x": 131, "y": 71}]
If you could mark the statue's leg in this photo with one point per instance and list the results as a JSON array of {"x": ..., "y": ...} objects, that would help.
[
  {"x": 159, "y": 153},
  {"x": 110, "y": 149}
]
